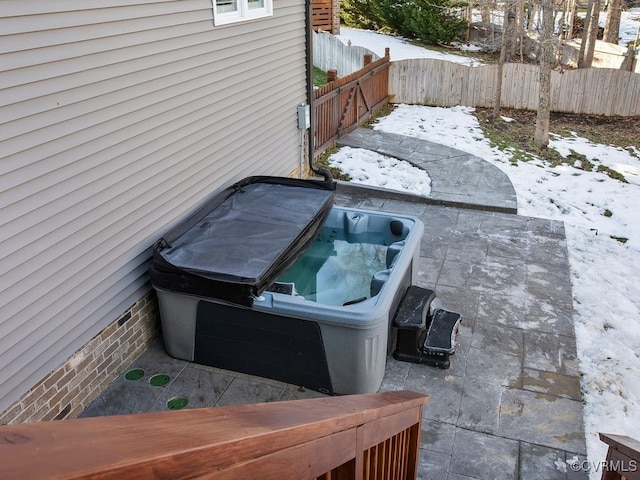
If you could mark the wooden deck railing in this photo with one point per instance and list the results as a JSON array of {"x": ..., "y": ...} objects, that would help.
[
  {"x": 623, "y": 457},
  {"x": 371, "y": 437}
]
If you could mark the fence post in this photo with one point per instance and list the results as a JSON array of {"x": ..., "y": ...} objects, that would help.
[
  {"x": 367, "y": 59},
  {"x": 332, "y": 75},
  {"x": 387, "y": 52},
  {"x": 631, "y": 54}
]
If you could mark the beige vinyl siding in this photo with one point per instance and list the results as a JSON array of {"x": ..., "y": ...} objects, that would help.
[{"x": 116, "y": 119}]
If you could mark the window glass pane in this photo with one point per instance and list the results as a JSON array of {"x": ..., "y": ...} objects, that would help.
[
  {"x": 226, "y": 6},
  {"x": 256, "y": 4}
]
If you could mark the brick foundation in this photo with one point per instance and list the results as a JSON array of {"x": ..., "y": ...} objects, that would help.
[{"x": 69, "y": 389}]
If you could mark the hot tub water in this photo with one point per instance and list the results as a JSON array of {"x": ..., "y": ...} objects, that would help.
[
  {"x": 337, "y": 270},
  {"x": 350, "y": 259}
]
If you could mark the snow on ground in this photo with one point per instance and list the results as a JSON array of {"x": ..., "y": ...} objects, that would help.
[
  {"x": 399, "y": 47},
  {"x": 629, "y": 23},
  {"x": 598, "y": 212},
  {"x": 402, "y": 49},
  {"x": 371, "y": 168}
]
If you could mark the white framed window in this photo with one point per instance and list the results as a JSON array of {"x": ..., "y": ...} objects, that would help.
[{"x": 230, "y": 11}]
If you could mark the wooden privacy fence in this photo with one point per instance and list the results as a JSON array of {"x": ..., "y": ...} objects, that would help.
[
  {"x": 365, "y": 437},
  {"x": 329, "y": 53},
  {"x": 322, "y": 12},
  {"x": 341, "y": 106},
  {"x": 594, "y": 91}
]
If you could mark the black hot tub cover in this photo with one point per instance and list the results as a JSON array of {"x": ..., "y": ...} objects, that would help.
[{"x": 241, "y": 240}]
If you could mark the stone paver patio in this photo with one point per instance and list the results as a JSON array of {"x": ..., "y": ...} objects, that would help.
[{"x": 510, "y": 405}]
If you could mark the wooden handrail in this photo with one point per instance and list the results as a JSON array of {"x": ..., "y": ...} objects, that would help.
[
  {"x": 371, "y": 436},
  {"x": 623, "y": 457}
]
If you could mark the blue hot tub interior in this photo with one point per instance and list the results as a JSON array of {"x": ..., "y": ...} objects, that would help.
[{"x": 350, "y": 259}]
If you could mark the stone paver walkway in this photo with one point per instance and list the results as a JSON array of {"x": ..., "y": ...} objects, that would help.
[{"x": 457, "y": 178}]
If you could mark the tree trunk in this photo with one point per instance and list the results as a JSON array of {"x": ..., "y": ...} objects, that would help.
[
  {"x": 531, "y": 21},
  {"x": 593, "y": 33},
  {"x": 589, "y": 35},
  {"x": 520, "y": 20},
  {"x": 572, "y": 15},
  {"x": 546, "y": 58},
  {"x": 503, "y": 50},
  {"x": 612, "y": 24},
  {"x": 585, "y": 31},
  {"x": 485, "y": 12},
  {"x": 562, "y": 22},
  {"x": 509, "y": 30},
  {"x": 563, "y": 30}
]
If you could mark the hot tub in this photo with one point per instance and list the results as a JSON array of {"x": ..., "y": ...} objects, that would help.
[{"x": 322, "y": 319}]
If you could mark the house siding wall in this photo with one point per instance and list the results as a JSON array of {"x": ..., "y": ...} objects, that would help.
[
  {"x": 69, "y": 389},
  {"x": 116, "y": 119}
]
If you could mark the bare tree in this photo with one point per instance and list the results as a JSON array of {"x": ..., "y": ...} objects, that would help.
[
  {"x": 487, "y": 8},
  {"x": 572, "y": 16},
  {"x": 612, "y": 24},
  {"x": 562, "y": 21},
  {"x": 541, "y": 137},
  {"x": 564, "y": 27},
  {"x": 509, "y": 29},
  {"x": 533, "y": 11},
  {"x": 585, "y": 28},
  {"x": 503, "y": 53},
  {"x": 520, "y": 28},
  {"x": 485, "y": 11},
  {"x": 589, "y": 34}
]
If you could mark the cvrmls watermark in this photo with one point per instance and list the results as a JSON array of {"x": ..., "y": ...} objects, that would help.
[{"x": 605, "y": 465}]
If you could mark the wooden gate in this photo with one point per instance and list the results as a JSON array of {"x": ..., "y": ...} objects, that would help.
[{"x": 343, "y": 105}]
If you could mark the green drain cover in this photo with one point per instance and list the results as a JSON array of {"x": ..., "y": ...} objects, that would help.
[
  {"x": 159, "y": 380},
  {"x": 176, "y": 403},
  {"x": 134, "y": 374}
]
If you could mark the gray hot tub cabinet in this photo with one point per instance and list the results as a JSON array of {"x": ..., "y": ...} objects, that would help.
[{"x": 336, "y": 349}]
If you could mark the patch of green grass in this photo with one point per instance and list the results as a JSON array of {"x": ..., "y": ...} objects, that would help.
[
  {"x": 633, "y": 152},
  {"x": 508, "y": 140},
  {"x": 517, "y": 138},
  {"x": 611, "y": 173},
  {"x": 589, "y": 166},
  {"x": 519, "y": 156},
  {"x": 620, "y": 239},
  {"x": 384, "y": 111},
  {"x": 323, "y": 161},
  {"x": 585, "y": 164},
  {"x": 319, "y": 77}
]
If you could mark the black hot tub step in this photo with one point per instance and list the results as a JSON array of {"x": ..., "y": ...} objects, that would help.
[
  {"x": 441, "y": 335},
  {"x": 439, "y": 361},
  {"x": 430, "y": 345},
  {"x": 414, "y": 309}
]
